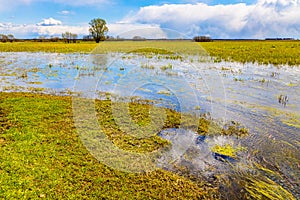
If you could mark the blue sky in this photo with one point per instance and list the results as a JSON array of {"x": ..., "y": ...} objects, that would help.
[{"x": 215, "y": 18}]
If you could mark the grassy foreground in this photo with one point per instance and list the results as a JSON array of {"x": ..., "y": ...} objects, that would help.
[
  {"x": 42, "y": 156},
  {"x": 262, "y": 52}
]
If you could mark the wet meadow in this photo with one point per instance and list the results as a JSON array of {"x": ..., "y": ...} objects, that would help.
[{"x": 150, "y": 120}]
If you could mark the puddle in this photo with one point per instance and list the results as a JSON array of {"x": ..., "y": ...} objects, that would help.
[{"x": 246, "y": 93}]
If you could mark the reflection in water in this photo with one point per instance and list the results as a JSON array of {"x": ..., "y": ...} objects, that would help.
[{"x": 247, "y": 93}]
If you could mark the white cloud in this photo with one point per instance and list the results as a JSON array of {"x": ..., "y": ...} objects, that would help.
[
  {"x": 125, "y": 30},
  {"x": 267, "y": 18},
  {"x": 34, "y": 30},
  {"x": 64, "y": 12},
  {"x": 49, "y": 22},
  {"x": 58, "y": 30}
]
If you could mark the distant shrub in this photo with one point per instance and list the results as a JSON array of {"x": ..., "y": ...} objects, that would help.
[
  {"x": 138, "y": 38},
  {"x": 202, "y": 39}
]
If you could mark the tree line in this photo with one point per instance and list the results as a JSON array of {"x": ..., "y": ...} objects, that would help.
[{"x": 7, "y": 38}]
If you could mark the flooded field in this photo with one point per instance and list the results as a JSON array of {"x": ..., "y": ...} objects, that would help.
[{"x": 263, "y": 99}]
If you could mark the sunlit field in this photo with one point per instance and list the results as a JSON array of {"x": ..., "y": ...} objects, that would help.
[
  {"x": 262, "y": 52},
  {"x": 227, "y": 116}
]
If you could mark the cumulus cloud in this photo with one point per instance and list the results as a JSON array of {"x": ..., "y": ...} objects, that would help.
[
  {"x": 58, "y": 30},
  {"x": 125, "y": 30},
  {"x": 49, "y": 22},
  {"x": 34, "y": 30},
  {"x": 266, "y": 18}
]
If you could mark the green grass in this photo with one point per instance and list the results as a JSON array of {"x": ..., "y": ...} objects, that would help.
[
  {"x": 57, "y": 47},
  {"x": 262, "y": 52},
  {"x": 169, "y": 48},
  {"x": 158, "y": 47},
  {"x": 42, "y": 156}
]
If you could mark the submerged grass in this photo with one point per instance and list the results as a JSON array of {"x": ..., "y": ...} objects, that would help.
[
  {"x": 266, "y": 189},
  {"x": 226, "y": 150}
]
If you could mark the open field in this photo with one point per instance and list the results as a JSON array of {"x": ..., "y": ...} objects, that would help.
[
  {"x": 263, "y": 52},
  {"x": 58, "y": 47}
]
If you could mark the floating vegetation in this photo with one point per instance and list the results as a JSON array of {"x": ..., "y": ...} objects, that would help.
[
  {"x": 226, "y": 150},
  {"x": 290, "y": 84},
  {"x": 164, "y": 92},
  {"x": 8, "y": 74},
  {"x": 166, "y": 67},
  {"x": 35, "y": 82},
  {"x": 283, "y": 99},
  {"x": 197, "y": 107},
  {"x": 147, "y": 66},
  {"x": 234, "y": 129},
  {"x": 24, "y": 75},
  {"x": 275, "y": 74},
  {"x": 225, "y": 68},
  {"x": 238, "y": 79},
  {"x": 147, "y": 51},
  {"x": 263, "y": 80},
  {"x": 174, "y": 57}
]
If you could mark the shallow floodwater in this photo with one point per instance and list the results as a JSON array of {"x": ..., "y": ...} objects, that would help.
[{"x": 263, "y": 98}]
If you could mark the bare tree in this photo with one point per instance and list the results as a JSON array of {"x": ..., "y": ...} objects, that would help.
[
  {"x": 68, "y": 37},
  {"x": 74, "y": 37},
  {"x": 3, "y": 38},
  {"x": 10, "y": 37}
]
